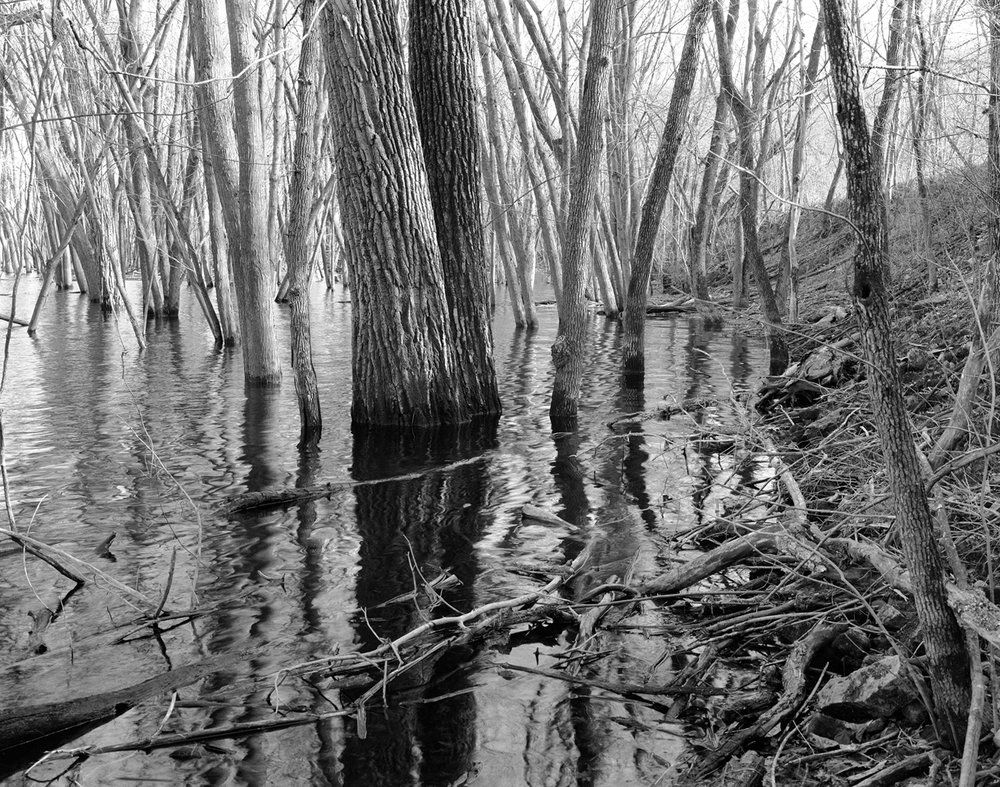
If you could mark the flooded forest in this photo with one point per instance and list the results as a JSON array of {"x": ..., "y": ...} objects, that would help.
[{"x": 499, "y": 392}]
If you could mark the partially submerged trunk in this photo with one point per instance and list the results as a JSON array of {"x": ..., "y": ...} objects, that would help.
[
  {"x": 297, "y": 249},
  {"x": 442, "y": 79},
  {"x": 749, "y": 196},
  {"x": 403, "y": 355},
  {"x": 569, "y": 348},
  {"x": 252, "y": 269},
  {"x": 633, "y": 344}
]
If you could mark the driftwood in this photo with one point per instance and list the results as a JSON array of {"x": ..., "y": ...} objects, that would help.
[{"x": 771, "y": 538}]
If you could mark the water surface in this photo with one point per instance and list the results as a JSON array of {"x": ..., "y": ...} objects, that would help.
[{"x": 104, "y": 440}]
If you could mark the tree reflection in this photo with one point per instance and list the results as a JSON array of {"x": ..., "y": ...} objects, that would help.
[{"x": 412, "y": 531}]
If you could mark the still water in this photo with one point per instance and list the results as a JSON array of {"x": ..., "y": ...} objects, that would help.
[{"x": 102, "y": 440}]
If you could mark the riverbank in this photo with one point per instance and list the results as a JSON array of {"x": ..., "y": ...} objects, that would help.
[{"x": 826, "y": 616}]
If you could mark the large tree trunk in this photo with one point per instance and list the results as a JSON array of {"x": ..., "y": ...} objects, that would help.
[
  {"x": 570, "y": 346},
  {"x": 633, "y": 344},
  {"x": 749, "y": 196},
  {"x": 297, "y": 246},
  {"x": 442, "y": 78},
  {"x": 403, "y": 354},
  {"x": 252, "y": 270},
  {"x": 945, "y": 644}
]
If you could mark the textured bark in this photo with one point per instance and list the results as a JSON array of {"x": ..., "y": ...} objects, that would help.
[
  {"x": 298, "y": 251},
  {"x": 442, "y": 78},
  {"x": 943, "y": 639},
  {"x": 402, "y": 351},
  {"x": 634, "y": 319},
  {"x": 252, "y": 269},
  {"x": 749, "y": 195},
  {"x": 569, "y": 348}
]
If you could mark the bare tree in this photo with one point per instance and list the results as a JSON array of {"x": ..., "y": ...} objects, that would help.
[
  {"x": 749, "y": 197},
  {"x": 633, "y": 345},
  {"x": 946, "y": 649},
  {"x": 569, "y": 348}
]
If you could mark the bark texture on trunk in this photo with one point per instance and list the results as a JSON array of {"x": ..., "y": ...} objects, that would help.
[
  {"x": 633, "y": 344},
  {"x": 443, "y": 81},
  {"x": 298, "y": 253},
  {"x": 403, "y": 356},
  {"x": 569, "y": 348},
  {"x": 946, "y": 651}
]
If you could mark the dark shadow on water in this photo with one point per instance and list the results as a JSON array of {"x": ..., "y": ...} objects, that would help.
[{"x": 412, "y": 531}]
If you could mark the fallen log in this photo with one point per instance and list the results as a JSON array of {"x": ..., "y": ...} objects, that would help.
[{"x": 15, "y": 320}]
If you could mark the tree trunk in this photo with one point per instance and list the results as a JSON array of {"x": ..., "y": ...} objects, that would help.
[
  {"x": 252, "y": 272},
  {"x": 569, "y": 348},
  {"x": 403, "y": 354},
  {"x": 698, "y": 265},
  {"x": 919, "y": 153},
  {"x": 298, "y": 253},
  {"x": 946, "y": 651},
  {"x": 521, "y": 278},
  {"x": 442, "y": 79},
  {"x": 633, "y": 343}
]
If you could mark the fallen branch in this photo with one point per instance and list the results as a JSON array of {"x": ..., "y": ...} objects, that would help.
[
  {"x": 74, "y": 568},
  {"x": 772, "y": 538},
  {"x": 8, "y": 318},
  {"x": 252, "y": 501},
  {"x": 971, "y": 606},
  {"x": 655, "y": 690}
]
